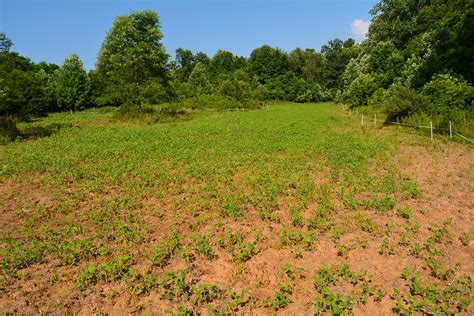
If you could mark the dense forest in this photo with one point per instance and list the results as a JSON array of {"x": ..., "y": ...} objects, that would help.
[{"x": 415, "y": 65}]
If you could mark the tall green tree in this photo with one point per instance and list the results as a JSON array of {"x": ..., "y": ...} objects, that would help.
[
  {"x": 222, "y": 63},
  {"x": 21, "y": 91},
  {"x": 337, "y": 54},
  {"x": 267, "y": 62},
  {"x": 72, "y": 85},
  {"x": 132, "y": 57},
  {"x": 185, "y": 63}
]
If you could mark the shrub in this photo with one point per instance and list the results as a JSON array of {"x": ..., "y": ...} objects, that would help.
[
  {"x": 361, "y": 89},
  {"x": 448, "y": 99},
  {"x": 402, "y": 102}
]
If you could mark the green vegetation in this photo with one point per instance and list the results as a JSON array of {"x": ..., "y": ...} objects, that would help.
[
  {"x": 200, "y": 183},
  {"x": 414, "y": 65},
  {"x": 122, "y": 203}
]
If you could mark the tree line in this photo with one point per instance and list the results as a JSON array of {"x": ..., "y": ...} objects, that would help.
[{"x": 416, "y": 63}]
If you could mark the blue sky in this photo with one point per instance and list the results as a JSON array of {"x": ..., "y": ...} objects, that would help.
[{"x": 50, "y": 30}]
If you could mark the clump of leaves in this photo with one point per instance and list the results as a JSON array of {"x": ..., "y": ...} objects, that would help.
[
  {"x": 161, "y": 255},
  {"x": 386, "y": 248},
  {"x": 241, "y": 250},
  {"x": 107, "y": 271},
  {"x": 404, "y": 212},
  {"x": 280, "y": 298},
  {"x": 465, "y": 239},
  {"x": 293, "y": 272}
]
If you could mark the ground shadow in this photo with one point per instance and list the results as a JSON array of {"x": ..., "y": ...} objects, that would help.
[{"x": 43, "y": 131}]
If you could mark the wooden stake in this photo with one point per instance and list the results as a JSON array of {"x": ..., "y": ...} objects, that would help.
[
  {"x": 431, "y": 129},
  {"x": 450, "y": 131},
  {"x": 375, "y": 119},
  {"x": 362, "y": 119}
]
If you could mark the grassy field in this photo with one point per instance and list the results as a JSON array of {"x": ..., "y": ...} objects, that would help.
[{"x": 293, "y": 209}]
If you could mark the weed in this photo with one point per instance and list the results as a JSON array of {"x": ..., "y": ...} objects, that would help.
[
  {"x": 293, "y": 272},
  {"x": 161, "y": 255},
  {"x": 455, "y": 298},
  {"x": 437, "y": 269},
  {"x": 202, "y": 247},
  {"x": 204, "y": 293},
  {"x": 298, "y": 252},
  {"x": 465, "y": 239},
  {"x": 107, "y": 271},
  {"x": 243, "y": 251},
  {"x": 174, "y": 286},
  {"x": 280, "y": 298},
  {"x": 296, "y": 218},
  {"x": 404, "y": 212},
  {"x": 336, "y": 303},
  {"x": 387, "y": 248}
]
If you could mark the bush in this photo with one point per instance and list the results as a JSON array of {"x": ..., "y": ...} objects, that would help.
[
  {"x": 448, "y": 99},
  {"x": 151, "y": 114},
  {"x": 402, "y": 102},
  {"x": 361, "y": 89}
]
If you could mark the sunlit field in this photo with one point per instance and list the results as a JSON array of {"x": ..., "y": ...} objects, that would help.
[{"x": 294, "y": 209}]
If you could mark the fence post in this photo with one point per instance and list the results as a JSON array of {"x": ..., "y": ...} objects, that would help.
[
  {"x": 450, "y": 131},
  {"x": 431, "y": 129},
  {"x": 362, "y": 119},
  {"x": 375, "y": 119}
]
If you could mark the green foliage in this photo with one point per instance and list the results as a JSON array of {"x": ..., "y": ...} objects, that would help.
[
  {"x": 404, "y": 212},
  {"x": 132, "y": 57},
  {"x": 185, "y": 63},
  {"x": 455, "y": 298},
  {"x": 360, "y": 89},
  {"x": 280, "y": 298},
  {"x": 337, "y": 55},
  {"x": 267, "y": 62},
  {"x": 5, "y": 43},
  {"x": 199, "y": 81},
  {"x": 403, "y": 102},
  {"x": 409, "y": 45},
  {"x": 448, "y": 99},
  {"x": 21, "y": 91},
  {"x": 336, "y": 303},
  {"x": 72, "y": 85}
]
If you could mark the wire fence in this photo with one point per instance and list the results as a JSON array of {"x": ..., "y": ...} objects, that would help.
[{"x": 366, "y": 121}]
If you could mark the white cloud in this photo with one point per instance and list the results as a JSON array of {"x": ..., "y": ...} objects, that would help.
[{"x": 359, "y": 29}]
